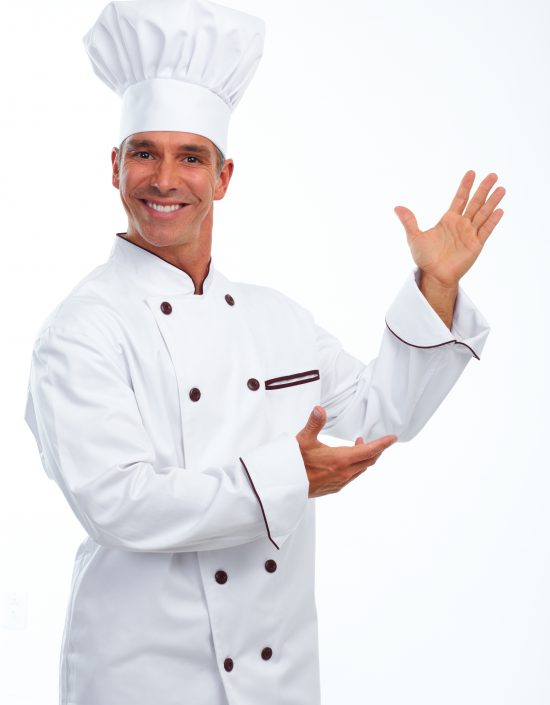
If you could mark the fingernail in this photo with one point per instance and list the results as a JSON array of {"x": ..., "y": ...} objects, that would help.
[{"x": 317, "y": 413}]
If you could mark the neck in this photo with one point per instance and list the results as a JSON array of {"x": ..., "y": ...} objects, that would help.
[{"x": 193, "y": 258}]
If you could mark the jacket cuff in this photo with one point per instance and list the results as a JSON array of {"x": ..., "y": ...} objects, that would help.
[
  {"x": 412, "y": 320},
  {"x": 278, "y": 478}
]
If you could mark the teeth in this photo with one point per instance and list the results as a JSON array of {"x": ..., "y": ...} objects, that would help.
[{"x": 164, "y": 209}]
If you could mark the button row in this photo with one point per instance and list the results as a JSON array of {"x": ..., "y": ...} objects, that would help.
[
  {"x": 221, "y": 576},
  {"x": 195, "y": 392},
  {"x": 166, "y": 306},
  {"x": 266, "y": 654}
]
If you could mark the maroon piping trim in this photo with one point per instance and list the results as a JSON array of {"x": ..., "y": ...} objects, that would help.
[
  {"x": 271, "y": 383},
  {"x": 260, "y": 501},
  {"x": 425, "y": 347},
  {"x": 121, "y": 235}
]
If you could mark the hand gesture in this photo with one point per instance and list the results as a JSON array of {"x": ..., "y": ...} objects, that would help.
[
  {"x": 448, "y": 250},
  {"x": 329, "y": 469}
]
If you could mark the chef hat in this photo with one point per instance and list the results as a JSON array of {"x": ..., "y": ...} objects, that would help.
[{"x": 178, "y": 65}]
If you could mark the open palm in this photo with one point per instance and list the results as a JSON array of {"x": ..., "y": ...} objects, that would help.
[{"x": 448, "y": 250}]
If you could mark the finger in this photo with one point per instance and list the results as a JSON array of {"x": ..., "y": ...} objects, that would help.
[
  {"x": 461, "y": 197},
  {"x": 365, "y": 451},
  {"x": 314, "y": 424},
  {"x": 478, "y": 199},
  {"x": 408, "y": 221},
  {"x": 489, "y": 225},
  {"x": 358, "y": 468},
  {"x": 484, "y": 212}
]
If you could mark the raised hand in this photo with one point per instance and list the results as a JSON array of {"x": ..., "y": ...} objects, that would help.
[
  {"x": 329, "y": 469},
  {"x": 448, "y": 250}
]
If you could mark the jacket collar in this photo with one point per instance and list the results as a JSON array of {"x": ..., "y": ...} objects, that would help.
[{"x": 156, "y": 275}]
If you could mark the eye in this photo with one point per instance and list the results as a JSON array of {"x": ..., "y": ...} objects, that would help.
[
  {"x": 139, "y": 154},
  {"x": 196, "y": 160}
]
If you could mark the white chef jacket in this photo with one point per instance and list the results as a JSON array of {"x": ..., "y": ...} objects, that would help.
[{"x": 168, "y": 420}]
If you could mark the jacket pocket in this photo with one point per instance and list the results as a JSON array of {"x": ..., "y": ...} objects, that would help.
[{"x": 292, "y": 380}]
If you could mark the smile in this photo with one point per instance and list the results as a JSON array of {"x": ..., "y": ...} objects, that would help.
[{"x": 169, "y": 208}]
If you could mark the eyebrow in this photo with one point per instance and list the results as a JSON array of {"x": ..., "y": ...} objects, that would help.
[{"x": 197, "y": 149}]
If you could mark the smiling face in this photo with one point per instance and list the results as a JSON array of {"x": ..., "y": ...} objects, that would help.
[{"x": 168, "y": 182}]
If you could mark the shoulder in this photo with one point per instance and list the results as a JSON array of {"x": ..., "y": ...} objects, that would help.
[{"x": 88, "y": 310}]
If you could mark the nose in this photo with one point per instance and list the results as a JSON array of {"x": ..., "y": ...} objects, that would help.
[{"x": 165, "y": 177}]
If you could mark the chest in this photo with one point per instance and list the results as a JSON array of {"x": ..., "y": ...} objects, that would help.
[{"x": 215, "y": 376}]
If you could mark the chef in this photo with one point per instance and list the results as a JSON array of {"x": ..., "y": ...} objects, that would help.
[{"x": 178, "y": 410}]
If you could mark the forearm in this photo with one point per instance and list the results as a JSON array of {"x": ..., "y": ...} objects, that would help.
[
  {"x": 441, "y": 298},
  {"x": 92, "y": 441},
  {"x": 139, "y": 508},
  {"x": 418, "y": 362}
]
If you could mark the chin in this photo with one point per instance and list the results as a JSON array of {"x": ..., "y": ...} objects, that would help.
[{"x": 161, "y": 237}]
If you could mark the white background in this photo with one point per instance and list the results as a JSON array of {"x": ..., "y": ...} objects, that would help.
[{"x": 433, "y": 568}]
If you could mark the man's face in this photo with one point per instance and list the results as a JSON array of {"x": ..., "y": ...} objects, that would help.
[{"x": 168, "y": 182}]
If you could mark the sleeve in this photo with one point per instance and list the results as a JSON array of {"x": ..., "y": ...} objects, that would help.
[
  {"x": 418, "y": 362},
  {"x": 83, "y": 413}
]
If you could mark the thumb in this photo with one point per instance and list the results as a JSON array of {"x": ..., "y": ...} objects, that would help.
[
  {"x": 408, "y": 220},
  {"x": 315, "y": 422}
]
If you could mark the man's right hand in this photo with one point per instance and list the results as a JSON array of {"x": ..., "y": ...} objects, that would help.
[{"x": 331, "y": 468}]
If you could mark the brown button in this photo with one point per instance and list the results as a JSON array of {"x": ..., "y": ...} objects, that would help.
[
  {"x": 221, "y": 577},
  {"x": 267, "y": 653},
  {"x": 253, "y": 384},
  {"x": 165, "y": 307},
  {"x": 230, "y": 300},
  {"x": 270, "y": 566},
  {"x": 228, "y": 664},
  {"x": 194, "y": 394}
]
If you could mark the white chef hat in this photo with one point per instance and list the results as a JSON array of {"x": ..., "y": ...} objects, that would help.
[{"x": 178, "y": 65}]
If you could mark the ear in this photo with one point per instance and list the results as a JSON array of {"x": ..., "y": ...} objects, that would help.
[
  {"x": 223, "y": 179},
  {"x": 116, "y": 172}
]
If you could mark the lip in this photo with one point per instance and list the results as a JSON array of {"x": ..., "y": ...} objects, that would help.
[{"x": 163, "y": 216}]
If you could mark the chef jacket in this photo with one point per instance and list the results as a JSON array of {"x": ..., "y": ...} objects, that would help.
[{"x": 169, "y": 420}]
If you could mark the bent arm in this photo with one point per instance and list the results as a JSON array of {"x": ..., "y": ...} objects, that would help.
[
  {"x": 418, "y": 362},
  {"x": 92, "y": 442}
]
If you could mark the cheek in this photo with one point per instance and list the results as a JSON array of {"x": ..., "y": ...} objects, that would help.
[
  {"x": 202, "y": 183},
  {"x": 123, "y": 188},
  {"x": 123, "y": 180},
  {"x": 132, "y": 176}
]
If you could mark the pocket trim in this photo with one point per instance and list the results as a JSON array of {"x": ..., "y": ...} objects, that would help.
[{"x": 292, "y": 380}]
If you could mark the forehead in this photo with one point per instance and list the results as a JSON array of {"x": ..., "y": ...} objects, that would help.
[{"x": 176, "y": 141}]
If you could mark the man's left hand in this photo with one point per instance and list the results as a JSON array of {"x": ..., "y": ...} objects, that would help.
[{"x": 447, "y": 251}]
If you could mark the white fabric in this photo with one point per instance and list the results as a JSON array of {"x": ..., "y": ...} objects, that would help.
[
  {"x": 179, "y": 65},
  {"x": 419, "y": 325},
  {"x": 156, "y": 481},
  {"x": 173, "y": 104}
]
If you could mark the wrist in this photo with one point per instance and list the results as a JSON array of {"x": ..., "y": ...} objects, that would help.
[
  {"x": 440, "y": 295},
  {"x": 429, "y": 281}
]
